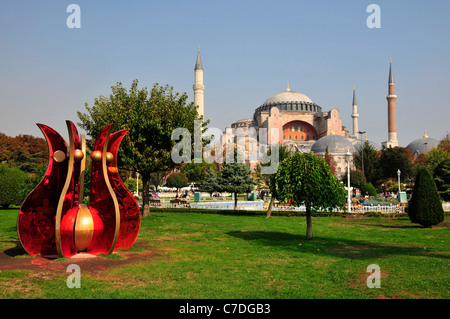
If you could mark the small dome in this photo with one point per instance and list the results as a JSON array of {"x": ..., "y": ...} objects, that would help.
[
  {"x": 333, "y": 144},
  {"x": 422, "y": 145}
]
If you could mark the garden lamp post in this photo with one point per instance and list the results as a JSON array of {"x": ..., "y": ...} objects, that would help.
[
  {"x": 398, "y": 173},
  {"x": 348, "y": 158}
]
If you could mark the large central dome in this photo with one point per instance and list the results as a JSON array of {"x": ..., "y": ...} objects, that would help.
[
  {"x": 289, "y": 101},
  {"x": 287, "y": 96}
]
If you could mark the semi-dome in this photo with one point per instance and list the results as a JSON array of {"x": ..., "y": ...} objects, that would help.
[
  {"x": 422, "y": 145},
  {"x": 333, "y": 144}
]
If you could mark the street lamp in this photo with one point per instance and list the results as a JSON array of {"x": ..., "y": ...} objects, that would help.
[
  {"x": 348, "y": 158},
  {"x": 398, "y": 173},
  {"x": 362, "y": 151}
]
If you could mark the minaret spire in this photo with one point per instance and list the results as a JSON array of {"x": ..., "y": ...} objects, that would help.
[
  {"x": 199, "y": 88},
  {"x": 287, "y": 88},
  {"x": 391, "y": 74},
  {"x": 198, "y": 63},
  {"x": 355, "y": 115},
  {"x": 391, "y": 99}
]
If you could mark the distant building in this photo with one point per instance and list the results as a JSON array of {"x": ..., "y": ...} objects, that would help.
[{"x": 303, "y": 126}]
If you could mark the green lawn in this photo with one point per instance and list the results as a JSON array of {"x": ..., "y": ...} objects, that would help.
[{"x": 190, "y": 255}]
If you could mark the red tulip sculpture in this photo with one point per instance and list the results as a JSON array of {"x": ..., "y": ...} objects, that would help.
[{"x": 54, "y": 221}]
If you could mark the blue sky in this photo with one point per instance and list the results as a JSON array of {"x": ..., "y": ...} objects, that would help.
[{"x": 250, "y": 49}]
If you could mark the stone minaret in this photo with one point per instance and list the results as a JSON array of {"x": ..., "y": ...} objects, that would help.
[
  {"x": 199, "y": 88},
  {"x": 391, "y": 98},
  {"x": 355, "y": 115}
]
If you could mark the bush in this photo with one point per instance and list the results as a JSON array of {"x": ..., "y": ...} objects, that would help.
[
  {"x": 425, "y": 207},
  {"x": 131, "y": 185},
  {"x": 12, "y": 185},
  {"x": 370, "y": 189}
]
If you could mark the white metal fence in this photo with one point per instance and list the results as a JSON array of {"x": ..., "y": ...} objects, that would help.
[{"x": 261, "y": 205}]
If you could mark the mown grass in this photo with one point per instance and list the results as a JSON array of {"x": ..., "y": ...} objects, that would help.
[{"x": 225, "y": 256}]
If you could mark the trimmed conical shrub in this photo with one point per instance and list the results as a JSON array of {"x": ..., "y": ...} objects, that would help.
[{"x": 425, "y": 207}]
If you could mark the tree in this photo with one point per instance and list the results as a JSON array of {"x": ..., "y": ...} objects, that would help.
[
  {"x": 425, "y": 207},
  {"x": 235, "y": 178},
  {"x": 434, "y": 157},
  {"x": 357, "y": 178},
  {"x": 442, "y": 179},
  {"x": 445, "y": 143},
  {"x": 306, "y": 179},
  {"x": 210, "y": 183},
  {"x": 177, "y": 180},
  {"x": 330, "y": 161},
  {"x": 24, "y": 151},
  {"x": 393, "y": 159},
  {"x": 269, "y": 179},
  {"x": 391, "y": 185},
  {"x": 13, "y": 186},
  {"x": 371, "y": 158},
  {"x": 132, "y": 184},
  {"x": 196, "y": 172},
  {"x": 151, "y": 117},
  {"x": 156, "y": 178}
]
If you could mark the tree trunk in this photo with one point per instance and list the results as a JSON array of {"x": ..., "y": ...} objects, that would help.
[
  {"x": 309, "y": 234},
  {"x": 145, "y": 195},
  {"x": 269, "y": 210},
  {"x": 235, "y": 201}
]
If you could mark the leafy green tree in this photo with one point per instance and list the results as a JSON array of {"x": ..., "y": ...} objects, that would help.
[
  {"x": 371, "y": 158},
  {"x": 269, "y": 179},
  {"x": 235, "y": 178},
  {"x": 151, "y": 116},
  {"x": 132, "y": 184},
  {"x": 305, "y": 179},
  {"x": 177, "y": 180},
  {"x": 434, "y": 157},
  {"x": 13, "y": 186},
  {"x": 196, "y": 172},
  {"x": 442, "y": 179},
  {"x": 425, "y": 207},
  {"x": 357, "y": 179},
  {"x": 393, "y": 159},
  {"x": 445, "y": 143},
  {"x": 210, "y": 183}
]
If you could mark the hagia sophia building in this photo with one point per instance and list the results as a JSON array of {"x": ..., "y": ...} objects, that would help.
[{"x": 303, "y": 126}]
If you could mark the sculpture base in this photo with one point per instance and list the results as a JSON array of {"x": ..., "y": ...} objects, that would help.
[{"x": 83, "y": 256}]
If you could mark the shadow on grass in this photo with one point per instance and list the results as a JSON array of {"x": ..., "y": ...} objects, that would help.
[
  {"x": 336, "y": 247},
  {"x": 15, "y": 251}
]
